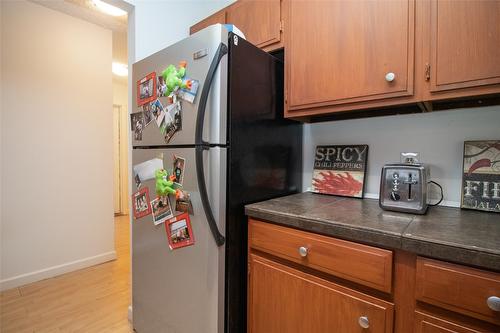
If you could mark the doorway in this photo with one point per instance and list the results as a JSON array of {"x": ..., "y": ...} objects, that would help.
[{"x": 117, "y": 158}]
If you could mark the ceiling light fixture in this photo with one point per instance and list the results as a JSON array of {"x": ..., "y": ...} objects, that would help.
[
  {"x": 108, "y": 9},
  {"x": 119, "y": 69}
]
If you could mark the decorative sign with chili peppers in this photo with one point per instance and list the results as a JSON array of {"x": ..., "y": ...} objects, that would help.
[
  {"x": 340, "y": 170},
  {"x": 481, "y": 176}
]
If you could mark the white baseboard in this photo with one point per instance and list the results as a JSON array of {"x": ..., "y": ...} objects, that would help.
[{"x": 46, "y": 273}]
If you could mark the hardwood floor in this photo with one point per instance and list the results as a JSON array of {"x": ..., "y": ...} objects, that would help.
[{"x": 94, "y": 299}]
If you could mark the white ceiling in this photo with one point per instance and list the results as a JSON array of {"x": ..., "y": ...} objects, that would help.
[{"x": 86, "y": 10}]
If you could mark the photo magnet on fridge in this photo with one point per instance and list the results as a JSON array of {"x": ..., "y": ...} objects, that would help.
[
  {"x": 146, "y": 170},
  {"x": 183, "y": 203},
  {"x": 148, "y": 116},
  {"x": 137, "y": 180},
  {"x": 161, "y": 87},
  {"x": 189, "y": 94},
  {"x": 179, "y": 231},
  {"x": 481, "y": 175},
  {"x": 340, "y": 170},
  {"x": 163, "y": 127},
  {"x": 137, "y": 125},
  {"x": 140, "y": 201},
  {"x": 162, "y": 210},
  {"x": 173, "y": 120},
  {"x": 157, "y": 112},
  {"x": 178, "y": 169},
  {"x": 146, "y": 89}
]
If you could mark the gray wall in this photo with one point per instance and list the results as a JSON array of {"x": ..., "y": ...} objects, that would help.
[{"x": 437, "y": 136}]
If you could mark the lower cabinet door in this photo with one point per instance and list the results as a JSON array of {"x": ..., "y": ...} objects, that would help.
[
  {"x": 429, "y": 324},
  {"x": 283, "y": 299}
]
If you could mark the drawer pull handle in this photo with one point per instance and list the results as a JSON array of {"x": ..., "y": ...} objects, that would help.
[
  {"x": 389, "y": 77},
  {"x": 303, "y": 251},
  {"x": 493, "y": 303},
  {"x": 364, "y": 322}
]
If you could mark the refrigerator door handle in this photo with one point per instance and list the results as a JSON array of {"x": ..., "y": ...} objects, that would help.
[{"x": 202, "y": 145}]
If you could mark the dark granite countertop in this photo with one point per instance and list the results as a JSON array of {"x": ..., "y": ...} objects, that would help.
[{"x": 452, "y": 234}]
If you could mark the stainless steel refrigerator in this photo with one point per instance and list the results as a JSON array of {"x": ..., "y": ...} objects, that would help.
[{"x": 238, "y": 149}]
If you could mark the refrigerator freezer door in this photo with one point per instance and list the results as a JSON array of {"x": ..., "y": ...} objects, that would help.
[
  {"x": 180, "y": 290},
  {"x": 198, "y": 51}
]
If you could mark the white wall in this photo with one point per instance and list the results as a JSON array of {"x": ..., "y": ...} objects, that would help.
[
  {"x": 437, "y": 136},
  {"x": 159, "y": 24},
  {"x": 56, "y": 145}
]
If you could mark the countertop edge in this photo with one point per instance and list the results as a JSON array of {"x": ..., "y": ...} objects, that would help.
[
  {"x": 360, "y": 235},
  {"x": 443, "y": 251},
  {"x": 455, "y": 254}
]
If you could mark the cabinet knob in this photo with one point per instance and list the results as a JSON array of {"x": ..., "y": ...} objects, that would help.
[
  {"x": 364, "y": 322},
  {"x": 303, "y": 251},
  {"x": 493, "y": 303},
  {"x": 389, "y": 77}
]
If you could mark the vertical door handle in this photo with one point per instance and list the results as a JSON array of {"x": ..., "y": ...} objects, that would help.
[{"x": 201, "y": 145}]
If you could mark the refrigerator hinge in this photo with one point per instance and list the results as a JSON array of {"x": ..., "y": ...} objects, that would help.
[{"x": 427, "y": 71}]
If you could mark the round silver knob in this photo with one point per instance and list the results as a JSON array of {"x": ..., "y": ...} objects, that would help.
[
  {"x": 303, "y": 251},
  {"x": 364, "y": 322},
  {"x": 389, "y": 77},
  {"x": 493, "y": 303}
]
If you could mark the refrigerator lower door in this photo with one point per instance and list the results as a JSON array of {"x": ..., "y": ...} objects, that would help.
[{"x": 180, "y": 290}]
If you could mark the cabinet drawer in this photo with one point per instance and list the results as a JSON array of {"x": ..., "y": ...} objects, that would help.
[
  {"x": 429, "y": 324},
  {"x": 461, "y": 289},
  {"x": 283, "y": 299},
  {"x": 359, "y": 263}
]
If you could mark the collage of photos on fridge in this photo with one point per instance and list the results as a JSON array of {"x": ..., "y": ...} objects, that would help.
[
  {"x": 171, "y": 86},
  {"x": 172, "y": 203}
]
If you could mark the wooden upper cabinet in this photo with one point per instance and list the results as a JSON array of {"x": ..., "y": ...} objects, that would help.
[
  {"x": 282, "y": 299},
  {"x": 260, "y": 21},
  {"x": 340, "y": 52},
  {"x": 463, "y": 47},
  {"x": 219, "y": 17}
]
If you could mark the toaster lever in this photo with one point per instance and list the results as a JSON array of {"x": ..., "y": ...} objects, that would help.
[{"x": 410, "y": 180}]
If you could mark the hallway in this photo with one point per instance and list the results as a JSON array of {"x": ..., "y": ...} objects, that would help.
[{"x": 94, "y": 299}]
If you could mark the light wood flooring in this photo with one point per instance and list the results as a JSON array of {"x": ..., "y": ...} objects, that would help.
[{"x": 93, "y": 299}]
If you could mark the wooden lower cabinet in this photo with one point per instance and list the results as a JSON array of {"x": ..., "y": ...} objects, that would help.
[
  {"x": 283, "y": 299},
  {"x": 457, "y": 288},
  {"x": 429, "y": 324},
  {"x": 303, "y": 282}
]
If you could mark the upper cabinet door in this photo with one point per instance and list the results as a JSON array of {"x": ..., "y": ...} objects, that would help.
[
  {"x": 464, "y": 45},
  {"x": 260, "y": 21},
  {"x": 219, "y": 17},
  {"x": 343, "y": 51}
]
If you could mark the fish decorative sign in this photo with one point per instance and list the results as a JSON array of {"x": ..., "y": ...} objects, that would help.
[
  {"x": 340, "y": 170},
  {"x": 481, "y": 176}
]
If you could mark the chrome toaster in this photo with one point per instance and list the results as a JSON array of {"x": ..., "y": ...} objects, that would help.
[{"x": 403, "y": 187}]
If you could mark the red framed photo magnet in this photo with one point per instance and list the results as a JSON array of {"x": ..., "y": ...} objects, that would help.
[
  {"x": 146, "y": 89},
  {"x": 141, "y": 204},
  {"x": 179, "y": 231}
]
